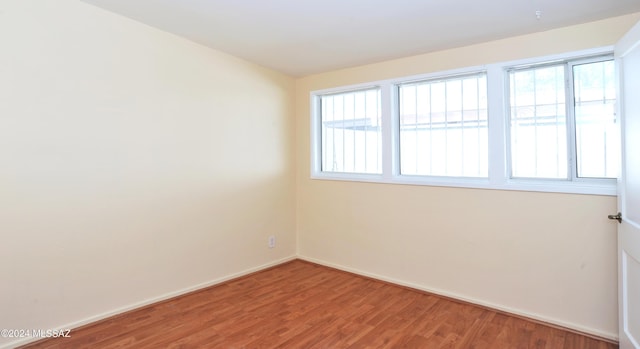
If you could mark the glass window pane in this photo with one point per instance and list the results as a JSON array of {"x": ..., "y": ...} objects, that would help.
[
  {"x": 443, "y": 127},
  {"x": 538, "y": 123},
  {"x": 597, "y": 137},
  {"x": 351, "y": 133}
]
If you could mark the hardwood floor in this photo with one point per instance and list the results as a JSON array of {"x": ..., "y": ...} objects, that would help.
[{"x": 303, "y": 305}]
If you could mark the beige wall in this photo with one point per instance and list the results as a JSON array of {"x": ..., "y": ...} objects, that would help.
[
  {"x": 547, "y": 256},
  {"x": 133, "y": 164}
]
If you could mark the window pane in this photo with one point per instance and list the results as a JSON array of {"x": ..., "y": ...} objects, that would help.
[
  {"x": 443, "y": 127},
  {"x": 538, "y": 123},
  {"x": 351, "y": 136},
  {"x": 597, "y": 140}
]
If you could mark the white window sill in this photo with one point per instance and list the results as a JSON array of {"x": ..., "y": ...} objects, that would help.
[{"x": 607, "y": 188}]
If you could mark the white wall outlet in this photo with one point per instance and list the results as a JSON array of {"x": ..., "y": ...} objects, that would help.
[{"x": 272, "y": 241}]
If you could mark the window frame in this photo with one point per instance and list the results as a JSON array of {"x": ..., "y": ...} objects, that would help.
[
  {"x": 508, "y": 119},
  {"x": 320, "y": 112},
  {"x": 574, "y": 141},
  {"x": 571, "y": 126},
  {"x": 499, "y": 174},
  {"x": 445, "y": 79}
]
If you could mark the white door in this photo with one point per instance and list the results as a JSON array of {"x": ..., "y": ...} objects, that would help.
[{"x": 628, "y": 55}]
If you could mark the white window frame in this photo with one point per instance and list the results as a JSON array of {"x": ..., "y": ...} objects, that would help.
[
  {"x": 398, "y": 86},
  {"x": 498, "y": 120},
  {"x": 574, "y": 164}
]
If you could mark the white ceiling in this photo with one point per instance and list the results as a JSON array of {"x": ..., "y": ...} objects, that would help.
[{"x": 303, "y": 37}]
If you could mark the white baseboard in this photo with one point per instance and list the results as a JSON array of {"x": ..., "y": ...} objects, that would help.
[
  {"x": 518, "y": 312},
  {"x": 149, "y": 301}
]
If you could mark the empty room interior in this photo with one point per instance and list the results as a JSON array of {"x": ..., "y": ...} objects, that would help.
[{"x": 156, "y": 150}]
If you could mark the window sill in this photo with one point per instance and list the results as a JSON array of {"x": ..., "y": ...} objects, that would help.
[{"x": 547, "y": 186}]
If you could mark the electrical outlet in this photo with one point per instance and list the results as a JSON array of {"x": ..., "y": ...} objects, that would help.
[{"x": 272, "y": 241}]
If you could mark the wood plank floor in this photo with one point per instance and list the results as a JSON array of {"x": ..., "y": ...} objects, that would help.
[{"x": 303, "y": 305}]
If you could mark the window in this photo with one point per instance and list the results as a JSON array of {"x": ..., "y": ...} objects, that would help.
[
  {"x": 544, "y": 124},
  {"x": 351, "y": 137},
  {"x": 597, "y": 135},
  {"x": 538, "y": 122},
  {"x": 443, "y": 127},
  {"x": 549, "y": 140}
]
